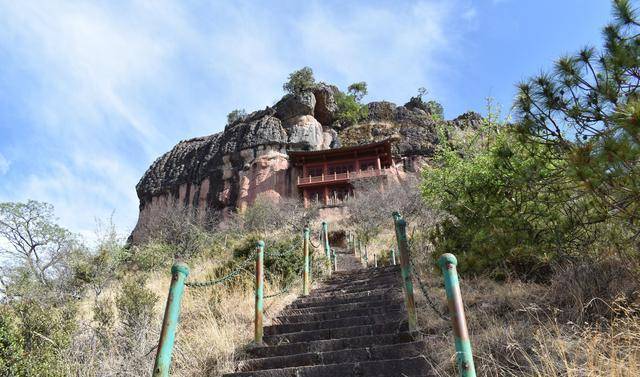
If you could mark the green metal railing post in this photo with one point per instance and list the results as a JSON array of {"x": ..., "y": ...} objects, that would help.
[
  {"x": 335, "y": 260},
  {"x": 393, "y": 256},
  {"x": 366, "y": 256},
  {"x": 305, "y": 274},
  {"x": 179, "y": 273},
  {"x": 325, "y": 236},
  {"x": 464, "y": 356},
  {"x": 405, "y": 269},
  {"x": 259, "y": 330}
]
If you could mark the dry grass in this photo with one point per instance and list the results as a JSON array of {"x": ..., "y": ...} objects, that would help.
[
  {"x": 517, "y": 329},
  {"x": 216, "y": 324}
]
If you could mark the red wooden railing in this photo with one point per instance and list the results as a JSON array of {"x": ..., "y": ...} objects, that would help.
[{"x": 338, "y": 177}]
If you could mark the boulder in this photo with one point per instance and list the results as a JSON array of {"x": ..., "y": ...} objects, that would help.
[
  {"x": 416, "y": 103},
  {"x": 381, "y": 111},
  {"x": 326, "y": 106},
  {"x": 469, "y": 119},
  {"x": 294, "y": 105},
  {"x": 330, "y": 138},
  {"x": 305, "y": 133}
]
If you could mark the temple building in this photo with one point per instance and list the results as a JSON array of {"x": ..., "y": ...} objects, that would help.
[{"x": 327, "y": 176}]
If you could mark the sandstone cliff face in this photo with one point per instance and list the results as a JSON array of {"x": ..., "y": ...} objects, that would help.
[{"x": 228, "y": 170}]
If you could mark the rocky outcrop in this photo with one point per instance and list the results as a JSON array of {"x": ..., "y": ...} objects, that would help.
[
  {"x": 228, "y": 170},
  {"x": 326, "y": 106},
  {"x": 291, "y": 106},
  {"x": 305, "y": 132}
]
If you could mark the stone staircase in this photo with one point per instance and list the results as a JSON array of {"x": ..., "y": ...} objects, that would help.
[{"x": 353, "y": 325}]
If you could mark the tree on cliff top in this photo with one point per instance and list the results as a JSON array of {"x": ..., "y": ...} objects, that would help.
[{"x": 300, "y": 81}]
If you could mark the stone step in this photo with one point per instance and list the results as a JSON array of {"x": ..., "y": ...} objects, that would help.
[
  {"x": 340, "y": 307},
  {"x": 348, "y": 355},
  {"x": 346, "y": 295},
  {"x": 341, "y": 300},
  {"x": 330, "y": 345},
  {"x": 358, "y": 285},
  {"x": 334, "y": 323},
  {"x": 407, "y": 367},
  {"x": 325, "y": 316},
  {"x": 366, "y": 273},
  {"x": 337, "y": 333}
]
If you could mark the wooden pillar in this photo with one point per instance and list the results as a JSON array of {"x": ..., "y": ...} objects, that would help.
[
  {"x": 379, "y": 166},
  {"x": 325, "y": 169},
  {"x": 305, "y": 196},
  {"x": 326, "y": 195}
]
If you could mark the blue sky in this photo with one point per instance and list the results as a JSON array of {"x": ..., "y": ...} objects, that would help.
[{"x": 92, "y": 92}]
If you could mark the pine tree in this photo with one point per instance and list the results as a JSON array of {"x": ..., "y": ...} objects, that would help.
[{"x": 588, "y": 109}]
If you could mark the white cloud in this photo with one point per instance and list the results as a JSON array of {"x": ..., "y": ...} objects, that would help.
[
  {"x": 393, "y": 49},
  {"x": 120, "y": 82},
  {"x": 4, "y": 165}
]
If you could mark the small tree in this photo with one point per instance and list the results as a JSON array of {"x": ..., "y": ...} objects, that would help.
[
  {"x": 33, "y": 239},
  {"x": 236, "y": 115},
  {"x": 358, "y": 90},
  {"x": 300, "y": 81},
  {"x": 350, "y": 110},
  {"x": 431, "y": 107}
]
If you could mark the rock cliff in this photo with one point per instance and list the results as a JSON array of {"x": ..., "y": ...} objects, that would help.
[{"x": 227, "y": 170}]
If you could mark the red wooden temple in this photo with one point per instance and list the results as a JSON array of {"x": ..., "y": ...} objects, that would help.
[{"x": 327, "y": 175}]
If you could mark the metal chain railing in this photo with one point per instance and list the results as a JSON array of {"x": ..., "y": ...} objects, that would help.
[
  {"x": 237, "y": 271},
  {"x": 180, "y": 272},
  {"x": 425, "y": 293}
]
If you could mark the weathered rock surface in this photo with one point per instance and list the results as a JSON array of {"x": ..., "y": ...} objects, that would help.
[
  {"x": 291, "y": 106},
  {"x": 228, "y": 170},
  {"x": 326, "y": 106},
  {"x": 305, "y": 132}
]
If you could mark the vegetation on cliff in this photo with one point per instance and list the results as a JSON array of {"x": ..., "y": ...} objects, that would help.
[{"x": 541, "y": 210}]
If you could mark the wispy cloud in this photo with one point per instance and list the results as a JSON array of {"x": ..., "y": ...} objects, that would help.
[
  {"x": 105, "y": 88},
  {"x": 4, "y": 165}
]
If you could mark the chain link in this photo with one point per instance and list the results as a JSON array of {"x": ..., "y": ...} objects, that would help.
[
  {"x": 237, "y": 271},
  {"x": 241, "y": 268},
  {"x": 425, "y": 293}
]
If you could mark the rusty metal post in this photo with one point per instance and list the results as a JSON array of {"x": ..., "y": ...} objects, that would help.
[
  {"x": 366, "y": 256},
  {"x": 179, "y": 273},
  {"x": 405, "y": 269},
  {"x": 335, "y": 260},
  {"x": 325, "y": 236},
  {"x": 259, "y": 330},
  {"x": 305, "y": 273},
  {"x": 464, "y": 356},
  {"x": 393, "y": 256}
]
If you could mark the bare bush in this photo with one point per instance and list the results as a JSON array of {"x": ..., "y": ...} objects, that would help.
[
  {"x": 372, "y": 207},
  {"x": 184, "y": 228},
  {"x": 267, "y": 215}
]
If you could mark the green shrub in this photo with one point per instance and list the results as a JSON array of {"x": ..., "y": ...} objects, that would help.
[
  {"x": 135, "y": 305},
  {"x": 236, "y": 115},
  {"x": 300, "y": 81},
  {"x": 33, "y": 338},
  {"x": 435, "y": 109},
  {"x": 350, "y": 111},
  {"x": 358, "y": 90},
  {"x": 152, "y": 256},
  {"x": 509, "y": 210}
]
